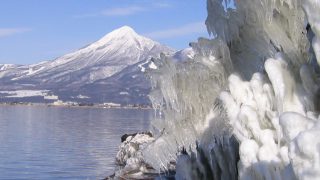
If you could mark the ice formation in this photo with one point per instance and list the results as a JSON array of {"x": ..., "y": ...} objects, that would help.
[
  {"x": 257, "y": 81},
  {"x": 130, "y": 155},
  {"x": 189, "y": 108}
]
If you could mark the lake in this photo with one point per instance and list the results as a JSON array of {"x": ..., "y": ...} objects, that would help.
[{"x": 38, "y": 142}]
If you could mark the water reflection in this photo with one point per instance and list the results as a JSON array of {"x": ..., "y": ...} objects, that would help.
[{"x": 66, "y": 143}]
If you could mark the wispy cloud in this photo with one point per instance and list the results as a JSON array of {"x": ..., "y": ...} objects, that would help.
[
  {"x": 123, "y": 11},
  {"x": 162, "y": 5},
  {"x": 117, "y": 11},
  {"x": 187, "y": 29},
  {"x": 126, "y": 11},
  {"x": 12, "y": 31}
]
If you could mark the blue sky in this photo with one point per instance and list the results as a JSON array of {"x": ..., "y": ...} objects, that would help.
[{"x": 35, "y": 30}]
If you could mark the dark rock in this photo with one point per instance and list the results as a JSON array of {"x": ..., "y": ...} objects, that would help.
[{"x": 125, "y": 136}]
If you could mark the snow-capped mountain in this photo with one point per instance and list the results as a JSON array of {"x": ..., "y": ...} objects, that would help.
[{"x": 84, "y": 69}]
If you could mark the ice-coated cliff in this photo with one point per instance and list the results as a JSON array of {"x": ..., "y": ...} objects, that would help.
[{"x": 246, "y": 103}]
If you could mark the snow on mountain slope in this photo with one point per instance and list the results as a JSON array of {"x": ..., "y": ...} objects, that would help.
[
  {"x": 100, "y": 60},
  {"x": 129, "y": 86},
  {"x": 4, "y": 67}
]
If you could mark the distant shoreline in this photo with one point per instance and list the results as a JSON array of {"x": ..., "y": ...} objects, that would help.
[{"x": 100, "y": 106}]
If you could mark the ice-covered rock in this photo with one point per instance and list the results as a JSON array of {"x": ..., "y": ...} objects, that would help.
[
  {"x": 264, "y": 136},
  {"x": 130, "y": 154}
]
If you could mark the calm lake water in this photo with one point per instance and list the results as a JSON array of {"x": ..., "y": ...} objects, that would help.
[{"x": 63, "y": 143}]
